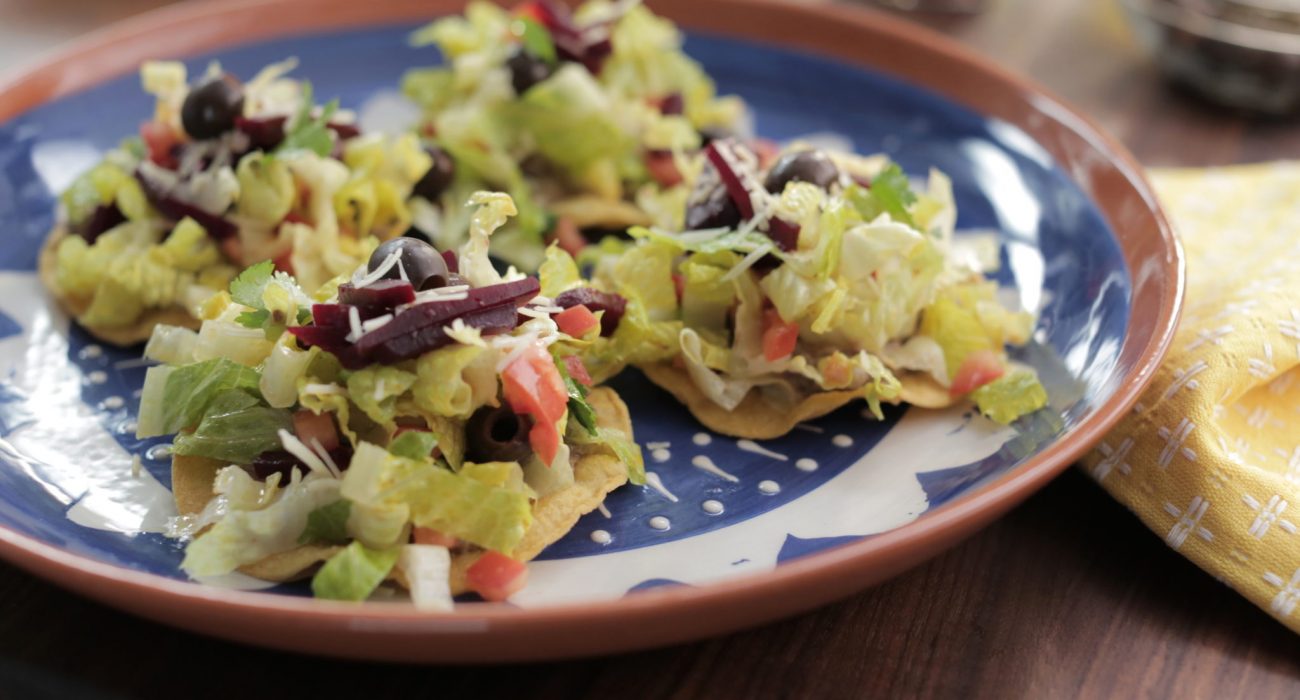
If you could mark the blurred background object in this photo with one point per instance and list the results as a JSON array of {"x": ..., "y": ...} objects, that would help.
[
  {"x": 956, "y": 6},
  {"x": 1241, "y": 53}
]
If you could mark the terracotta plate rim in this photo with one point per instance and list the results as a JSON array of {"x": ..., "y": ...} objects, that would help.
[{"x": 823, "y": 576}]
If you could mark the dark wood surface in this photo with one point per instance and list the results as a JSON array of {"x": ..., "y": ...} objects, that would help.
[{"x": 1069, "y": 595}]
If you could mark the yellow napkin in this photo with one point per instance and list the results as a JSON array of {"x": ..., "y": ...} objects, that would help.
[{"x": 1210, "y": 459}]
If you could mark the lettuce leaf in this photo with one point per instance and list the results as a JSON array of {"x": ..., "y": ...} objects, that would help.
[
  {"x": 328, "y": 523},
  {"x": 454, "y": 381},
  {"x": 489, "y": 516},
  {"x": 354, "y": 573},
  {"x": 273, "y": 525},
  {"x": 375, "y": 390},
  {"x": 1010, "y": 396},
  {"x": 190, "y": 389},
  {"x": 558, "y": 272},
  {"x": 413, "y": 444},
  {"x": 235, "y": 428}
]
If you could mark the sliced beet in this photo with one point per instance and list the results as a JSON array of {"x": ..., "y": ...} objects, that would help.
[
  {"x": 264, "y": 133},
  {"x": 344, "y": 131},
  {"x": 422, "y": 340},
  {"x": 330, "y": 315},
  {"x": 595, "y": 300},
  {"x": 672, "y": 104},
  {"x": 453, "y": 262},
  {"x": 722, "y": 155},
  {"x": 783, "y": 233},
  {"x": 103, "y": 218},
  {"x": 435, "y": 314},
  {"x": 174, "y": 209},
  {"x": 382, "y": 296}
]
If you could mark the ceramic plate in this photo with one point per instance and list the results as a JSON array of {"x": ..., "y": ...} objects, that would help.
[{"x": 737, "y": 533}]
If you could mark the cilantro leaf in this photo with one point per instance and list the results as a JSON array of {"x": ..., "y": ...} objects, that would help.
[
  {"x": 890, "y": 193},
  {"x": 253, "y": 319},
  {"x": 535, "y": 38},
  {"x": 328, "y": 523},
  {"x": 247, "y": 287},
  {"x": 579, "y": 408},
  {"x": 307, "y": 132}
]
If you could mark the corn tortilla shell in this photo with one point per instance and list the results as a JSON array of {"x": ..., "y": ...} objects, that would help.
[
  {"x": 121, "y": 336},
  {"x": 590, "y": 211},
  {"x": 758, "y": 419},
  {"x": 595, "y": 475}
]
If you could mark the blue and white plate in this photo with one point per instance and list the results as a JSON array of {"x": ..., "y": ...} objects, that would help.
[{"x": 719, "y": 514}]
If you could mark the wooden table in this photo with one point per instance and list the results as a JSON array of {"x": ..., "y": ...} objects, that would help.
[{"x": 1068, "y": 595}]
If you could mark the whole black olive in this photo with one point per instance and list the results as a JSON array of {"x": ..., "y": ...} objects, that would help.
[
  {"x": 418, "y": 235},
  {"x": 439, "y": 176},
  {"x": 526, "y": 70},
  {"x": 812, "y": 166},
  {"x": 212, "y": 106},
  {"x": 714, "y": 210},
  {"x": 422, "y": 263},
  {"x": 497, "y": 434}
]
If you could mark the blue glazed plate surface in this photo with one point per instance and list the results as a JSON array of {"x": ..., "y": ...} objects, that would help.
[{"x": 67, "y": 404}]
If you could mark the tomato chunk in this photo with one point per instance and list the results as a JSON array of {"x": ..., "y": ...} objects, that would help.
[
  {"x": 779, "y": 336},
  {"x": 533, "y": 386},
  {"x": 979, "y": 368},
  {"x": 567, "y": 236},
  {"x": 496, "y": 577},
  {"x": 577, "y": 321},
  {"x": 428, "y": 535},
  {"x": 662, "y": 168},
  {"x": 159, "y": 139},
  {"x": 320, "y": 426},
  {"x": 577, "y": 370}
]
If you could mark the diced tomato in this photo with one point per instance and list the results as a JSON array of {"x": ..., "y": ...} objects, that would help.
[
  {"x": 532, "y": 385},
  {"x": 779, "y": 336},
  {"x": 308, "y": 425},
  {"x": 532, "y": 11},
  {"x": 766, "y": 150},
  {"x": 232, "y": 248},
  {"x": 979, "y": 368},
  {"x": 496, "y": 577},
  {"x": 577, "y": 321},
  {"x": 159, "y": 140},
  {"x": 577, "y": 370},
  {"x": 567, "y": 235},
  {"x": 295, "y": 218},
  {"x": 284, "y": 262},
  {"x": 662, "y": 168},
  {"x": 679, "y": 285},
  {"x": 428, "y": 535}
]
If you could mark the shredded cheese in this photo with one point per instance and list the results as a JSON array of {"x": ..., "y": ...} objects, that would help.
[{"x": 295, "y": 447}]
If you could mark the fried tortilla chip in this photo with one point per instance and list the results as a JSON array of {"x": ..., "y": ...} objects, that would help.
[
  {"x": 590, "y": 211},
  {"x": 121, "y": 336},
  {"x": 595, "y": 475},
  {"x": 758, "y": 419}
]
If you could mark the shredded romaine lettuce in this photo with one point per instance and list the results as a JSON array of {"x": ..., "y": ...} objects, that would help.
[
  {"x": 243, "y": 536},
  {"x": 375, "y": 389},
  {"x": 1011, "y": 396},
  {"x": 328, "y": 524},
  {"x": 354, "y": 573},
  {"x": 489, "y": 516},
  {"x": 189, "y": 390},
  {"x": 454, "y": 381},
  {"x": 235, "y": 428}
]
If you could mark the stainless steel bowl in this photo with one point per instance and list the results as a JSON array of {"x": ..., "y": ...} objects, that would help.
[{"x": 1241, "y": 53}]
